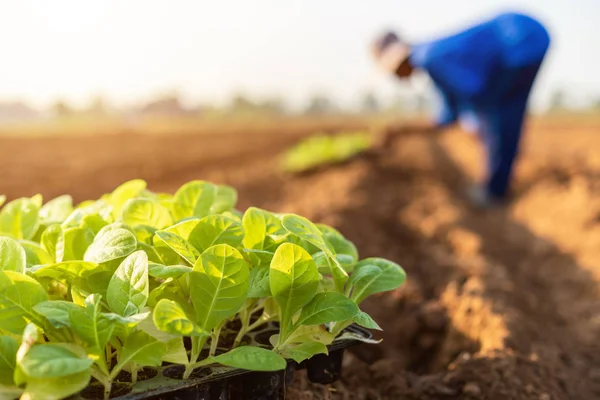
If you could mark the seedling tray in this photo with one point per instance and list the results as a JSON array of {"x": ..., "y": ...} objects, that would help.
[{"x": 224, "y": 383}]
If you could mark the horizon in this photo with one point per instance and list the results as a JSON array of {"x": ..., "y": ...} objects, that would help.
[{"x": 131, "y": 52}]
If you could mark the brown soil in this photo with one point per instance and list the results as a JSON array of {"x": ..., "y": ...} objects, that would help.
[
  {"x": 177, "y": 371},
  {"x": 502, "y": 304},
  {"x": 97, "y": 391}
]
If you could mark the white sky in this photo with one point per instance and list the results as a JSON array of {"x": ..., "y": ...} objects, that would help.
[{"x": 128, "y": 50}]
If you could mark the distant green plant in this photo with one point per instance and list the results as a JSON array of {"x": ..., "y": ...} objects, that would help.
[
  {"x": 325, "y": 149},
  {"x": 118, "y": 283}
]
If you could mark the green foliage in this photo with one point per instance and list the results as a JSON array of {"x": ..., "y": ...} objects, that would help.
[
  {"x": 12, "y": 255},
  {"x": 252, "y": 358},
  {"x": 120, "y": 282},
  {"x": 324, "y": 149}
]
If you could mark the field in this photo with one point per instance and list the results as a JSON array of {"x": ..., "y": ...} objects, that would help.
[{"x": 503, "y": 304}]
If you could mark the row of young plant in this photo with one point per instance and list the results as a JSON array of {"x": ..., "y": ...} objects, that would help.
[
  {"x": 325, "y": 149},
  {"x": 118, "y": 283}
]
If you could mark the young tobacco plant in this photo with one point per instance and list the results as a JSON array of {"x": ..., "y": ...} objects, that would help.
[
  {"x": 323, "y": 149},
  {"x": 137, "y": 279}
]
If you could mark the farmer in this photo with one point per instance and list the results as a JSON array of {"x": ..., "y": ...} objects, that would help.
[{"x": 484, "y": 76}]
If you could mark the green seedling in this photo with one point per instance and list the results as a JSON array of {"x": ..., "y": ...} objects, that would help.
[{"x": 127, "y": 281}]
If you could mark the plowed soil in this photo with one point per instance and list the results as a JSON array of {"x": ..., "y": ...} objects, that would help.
[{"x": 499, "y": 304}]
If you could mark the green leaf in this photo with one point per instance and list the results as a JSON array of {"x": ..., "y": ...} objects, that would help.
[
  {"x": 56, "y": 312},
  {"x": 53, "y": 241},
  {"x": 57, "y": 388},
  {"x": 225, "y": 199},
  {"x": 181, "y": 229},
  {"x": 141, "y": 211},
  {"x": 218, "y": 285},
  {"x": 303, "y": 351},
  {"x": 216, "y": 229},
  {"x": 345, "y": 251},
  {"x": 166, "y": 199},
  {"x": 8, "y": 360},
  {"x": 20, "y": 218},
  {"x": 307, "y": 231},
  {"x": 93, "y": 328},
  {"x": 53, "y": 361},
  {"x": 10, "y": 392},
  {"x": 65, "y": 270},
  {"x": 233, "y": 214},
  {"x": 129, "y": 321},
  {"x": 180, "y": 246},
  {"x": 35, "y": 254},
  {"x": 327, "y": 307},
  {"x": 252, "y": 358},
  {"x": 2, "y": 199},
  {"x": 77, "y": 240},
  {"x": 304, "y": 229},
  {"x": 259, "y": 282},
  {"x": 79, "y": 216},
  {"x": 158, "y": 292},
  {"x": 175, "y": 349},
  {"x": 127, "y": 291},
  {"x": 79, "y": 293},
  {"x": 310, "y": 333},
  {"x": 125, "y": 325},
  {"x": 171, "y": 271},
  {"x": 12, "y": 255},
  {"x": 144, "y": 234},
  {"x": 93, "y": 222},
  {"x": 363, "y": 319},
  {"x": 175, "y": 290},
  {"x": 111, "y": 244},
  {"x": 194, "y": 199},
  {"x": 166, "y": 255},
  {"x": 293, "y": 279},
  {"x": 141, "y": 349},
  {"x": 170, "y": 317},
  {"x": 97, "y": 281},
  {"x": 375, "y": 275},
  {"x": 153, "y": 256},
  {"x": 18, "y": 295},
  {"x": 356, "y": 337},
  {"x": 124, "y": 192},
  {"x": 260, "y": 226},
  {"x": 56, "y": 210}
]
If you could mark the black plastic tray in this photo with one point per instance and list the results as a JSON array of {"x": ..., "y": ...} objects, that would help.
[{"x": 224, "y": 383}]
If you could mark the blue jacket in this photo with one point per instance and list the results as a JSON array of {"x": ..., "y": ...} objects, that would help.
[{"x": 486, "y": 72}]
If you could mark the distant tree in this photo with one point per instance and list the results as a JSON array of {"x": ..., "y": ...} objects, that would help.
[
  {"x": 398, "y": 104},
  {"x": 17, "y": 111},
  {"x": 320, "y": 105},
  {"x": 273, "y": 106},
  {"x": 98, "y": 106},
  {"x": 240, "y": 104},
  {"x": 369, "y": 103},
  {"x": 61, "y": 109},
  {"x": 558, "y": 100},
  {"x": 168, "y": 104}
]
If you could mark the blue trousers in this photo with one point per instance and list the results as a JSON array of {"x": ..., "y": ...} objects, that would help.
[{"x": 501, "y": 125}]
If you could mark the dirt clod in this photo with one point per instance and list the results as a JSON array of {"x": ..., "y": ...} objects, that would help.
[{"x": 471, "y": 389}]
